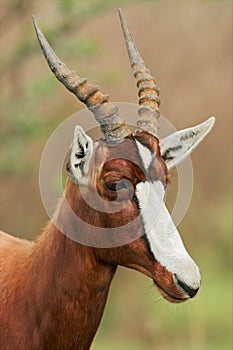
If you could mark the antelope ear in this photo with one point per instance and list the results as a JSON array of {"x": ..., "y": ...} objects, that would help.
[
  {"x": 81, "y": 151},
  {"x": 175, "y": 147}
]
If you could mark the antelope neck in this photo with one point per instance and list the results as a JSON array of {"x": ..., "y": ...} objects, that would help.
[{"x": 70, "y": 290}]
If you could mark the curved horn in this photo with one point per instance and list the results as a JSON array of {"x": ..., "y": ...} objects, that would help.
[
  {"x": 148, "y": 90},
  {"x": 112, "y": 125}
]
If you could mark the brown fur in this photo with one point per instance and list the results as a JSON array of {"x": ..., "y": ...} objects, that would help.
[{"x": 53, "y": 292}]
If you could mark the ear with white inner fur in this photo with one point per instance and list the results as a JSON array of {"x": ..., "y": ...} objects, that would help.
[
  {"x": 81, "y": 151},
  {"x": 177, "y": 146}
]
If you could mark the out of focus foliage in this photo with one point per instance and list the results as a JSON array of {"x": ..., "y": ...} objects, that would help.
[{"x": 187, "y": 45}]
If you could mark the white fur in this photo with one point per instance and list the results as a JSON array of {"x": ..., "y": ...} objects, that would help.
[
  {"x": 80, "y": 141},
  {"x": 145, "y": 155},
  {"x": 186, "y": 139},
  {"x": 165, "y": 241}
]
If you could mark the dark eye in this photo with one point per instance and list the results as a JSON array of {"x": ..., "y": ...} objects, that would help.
[{"x": 119, "y": 185}]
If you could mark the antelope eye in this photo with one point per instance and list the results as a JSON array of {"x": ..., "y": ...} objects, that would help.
[{"x": 116, "y": 186}]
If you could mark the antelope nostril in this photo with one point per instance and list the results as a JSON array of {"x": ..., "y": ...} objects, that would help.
[{"x": 190, "y": 291}]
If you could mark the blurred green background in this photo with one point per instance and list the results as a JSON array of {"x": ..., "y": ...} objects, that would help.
[{"x": 187, "y": 45}]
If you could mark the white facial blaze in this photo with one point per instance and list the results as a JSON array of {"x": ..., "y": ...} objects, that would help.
[
  {"x": 165, "y": 241},
  {"x": 145, "y": 154}
]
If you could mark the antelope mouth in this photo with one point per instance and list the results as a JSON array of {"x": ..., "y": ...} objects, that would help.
[
  {"x": 170, "y": 296},
  {"x": 177, "y": 292}
]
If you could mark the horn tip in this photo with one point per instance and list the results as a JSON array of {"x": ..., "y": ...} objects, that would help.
[
  {"x": 33, "y": 19},
  {"x": 121, "y": 14},
  {"x": 35, "y": 24}
]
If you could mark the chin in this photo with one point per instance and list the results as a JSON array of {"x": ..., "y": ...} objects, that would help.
[{"x": 175, "y": 296}]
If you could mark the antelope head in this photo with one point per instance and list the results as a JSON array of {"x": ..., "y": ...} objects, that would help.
[{"x": 118, "y": 183}]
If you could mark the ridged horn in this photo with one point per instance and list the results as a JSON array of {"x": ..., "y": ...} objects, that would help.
[
  {"x": 106, "y": 113},
  {"x": 148, "y": 90}
]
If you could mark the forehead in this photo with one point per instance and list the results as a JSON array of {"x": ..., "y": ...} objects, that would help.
[
  {"x": 137, "y": 156},
  {"x": 149, "y": 151}
]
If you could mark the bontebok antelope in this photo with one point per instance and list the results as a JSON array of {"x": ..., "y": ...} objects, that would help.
[{"x": 53, "y": 291}]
